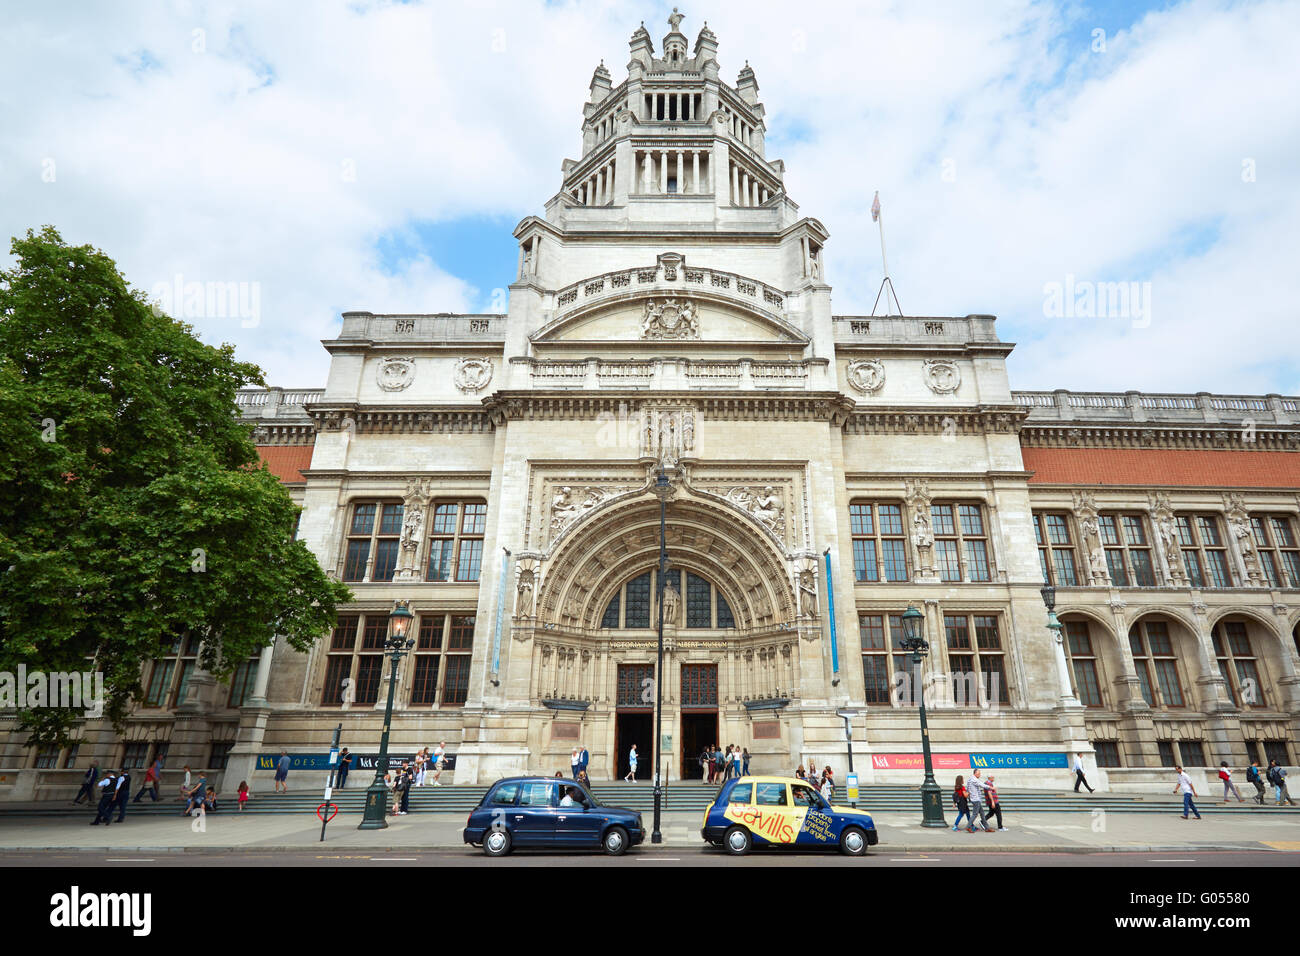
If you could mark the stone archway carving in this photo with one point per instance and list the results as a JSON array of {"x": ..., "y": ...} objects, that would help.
[{"x": 712, "y": 538}]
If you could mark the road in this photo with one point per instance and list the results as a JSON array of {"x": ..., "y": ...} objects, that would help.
[{"x": 644, "y": 857}]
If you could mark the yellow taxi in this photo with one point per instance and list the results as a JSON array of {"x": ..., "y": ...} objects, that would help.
[{"x": 783, "y": 811}]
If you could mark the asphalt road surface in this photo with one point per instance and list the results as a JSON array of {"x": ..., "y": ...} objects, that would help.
[{"x": 644, "y": 857}]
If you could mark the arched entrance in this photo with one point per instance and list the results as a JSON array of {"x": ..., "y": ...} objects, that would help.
[{"x": 729, "y": 594}]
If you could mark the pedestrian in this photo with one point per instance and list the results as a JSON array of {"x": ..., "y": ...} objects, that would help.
[
  {"x": 185, "y": 785},
  {"x": 122, "y": 793},
  {"x": 975, "y": 792},
  {"x": 195, "y": 796},
  {"x": 962, "y": 804},
  {"x": 798, "y": 771},
  {"x": 631, "y": 762},
  {"x": 88, "y": 783},
  {"x": 1277, "y": 777},
  {"x": 150, "y": 782},
  {"x": 1253, "y": 776},
  {"x": 1079, "y": 778},
  {"x": 994, "y": 801},
  {"x": 583, "y": 759},
  {"x": 813, "y": 775},
  {"x": 574, "y": 766},
  {"x": 210, "y": 800},
  {"x": 345, "y": 764},
  {"x": 585, "y": 781},
  {"x": 281, "y": 772},
  {"x": 439, "y": 761},
  {"x": 242, "y": 794},
  {"x": 828, "y": 784},
  {"x": 418, "y": 768},
  {"x": 706, "y": 762},
  {"x": 719, "y": 763},
  {"x": 107, "y": 791},
  {"x": 1185, "y": 785},
  {"x": 735, "y": 761},
  {"x": 405, "y": 778},
  {"x": 744, "y": 759},
  {"x": 1228, "y": 786}
]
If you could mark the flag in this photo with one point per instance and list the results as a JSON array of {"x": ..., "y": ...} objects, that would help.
[{"x": 875, "y": 207}]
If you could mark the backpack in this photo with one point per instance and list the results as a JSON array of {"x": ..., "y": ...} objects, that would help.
[
  {"x": 1274, "y": 777},
  {"x": 1252, "y": 774}
]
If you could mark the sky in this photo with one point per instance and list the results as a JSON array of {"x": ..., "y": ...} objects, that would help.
[{"x": 309, "y": 159}]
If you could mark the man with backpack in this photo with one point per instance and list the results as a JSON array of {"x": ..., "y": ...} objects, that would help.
[
  {"x": 1252, "y": 776},
  {"x": 1277, "y": 777}
]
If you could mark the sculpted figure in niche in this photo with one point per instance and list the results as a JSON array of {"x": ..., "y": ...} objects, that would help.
[
  {"x": 411, "y": 528},
  {"x": 672, "y": 603},
  {"x": 1099, "y": 572},
  {"x": 922, "y": 535},
  {"x": 524, "y": 600},
  {"x": 808, "y": 593}
]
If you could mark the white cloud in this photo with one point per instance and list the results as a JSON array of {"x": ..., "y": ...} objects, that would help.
[{"x": 1096, "y": 165}]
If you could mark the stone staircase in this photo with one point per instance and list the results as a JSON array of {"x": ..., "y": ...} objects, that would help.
[{"x": 680, "y": 796}]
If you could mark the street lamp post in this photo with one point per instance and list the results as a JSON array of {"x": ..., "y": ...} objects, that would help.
[
  {"x": 663, "y": 491},
  {"x": 931, "y": 801},
  {"x": 396, "y": 647},
  {"x": 847, "y": 716},
  {"x": 1058, "y": 638}
]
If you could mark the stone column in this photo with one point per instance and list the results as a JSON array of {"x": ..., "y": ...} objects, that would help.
[
  {"x": 744, "y": 190},
  {"x": 695, "y": 171},
  {"x": 681, "y": 177},
  {"x": 663, "y": 170},
  {"x": 735, "y": 185}
]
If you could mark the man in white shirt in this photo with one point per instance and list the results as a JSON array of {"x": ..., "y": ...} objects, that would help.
[
  {"x": 975, "y": 794},
  {"x": 1185, "y": 785},
  {"x": 1079, "y": 778}
]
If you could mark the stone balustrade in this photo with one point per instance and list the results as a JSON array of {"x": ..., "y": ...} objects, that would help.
[
  {"x": 277, "y": 403},
  {"x": 685, "y": 280},
  {"x": 1133, "y": 406},
  {"x": 678, "y": 373}
]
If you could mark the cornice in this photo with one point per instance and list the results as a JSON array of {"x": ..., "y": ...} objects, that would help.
[
  {"x": 273, "y": 433},
  {"x": 1150, "y": 436},
  {"x": 458, "y": 419},
  {"x": 911, "y": 420}
]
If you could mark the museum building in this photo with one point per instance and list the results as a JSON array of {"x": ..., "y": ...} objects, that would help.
[{"x": 670, "y": 344}]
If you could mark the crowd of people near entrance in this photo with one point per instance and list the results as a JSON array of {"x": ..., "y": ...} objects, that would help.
[
  {"x": 718, "y": 765},
  {"x": 109, "y": 791},
  {"x": 427, "y": 767}
]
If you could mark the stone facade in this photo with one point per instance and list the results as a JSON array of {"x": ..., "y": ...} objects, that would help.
[{"x": 671, "y": 316}]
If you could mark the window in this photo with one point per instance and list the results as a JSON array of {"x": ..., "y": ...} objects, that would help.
[
  {"x": 635, "y": 685},
  {"x": 1107, "y": 752},
  {"x": 1192, "y": 752},
  {"x": 243, "y": 681},
  {"x": 47, "y": 758},
  {"x": 135, "y": 755},
  {"x": 741, "y": 793},
  {"x": 883, "y": 658},
  {"x": 1237, "y": 663},
  {"x": 705, "y": 605},
  {"x": 1279, "y": 552},
  {"x": 1166, "y": 749},
  {"x": 1055, "y": 549},
  {"x": 505, "y": 794},
  {"x": 1083, "y": 661},
  {"x": 456, "y": 541},
  {"x": 220, "y": 755},
  {"x": 1128, "y": 550},
  {"x": 538, "y": 795},
  {"x": 354, "y": 670},
  {"x": 443, "y": 652},
  {"x": 1153, "y": 655},
  {"x": 1276, "y": 750},
  {"x": 982, "y": 659},
  {"x": 1204, "y": 554},
  {"x": 169, "y": 677},
  {"x": 961, "y": 549},
  {"x": 70, "y": 756},
  {"x": 375, "y": 530},
  {"x": 699, "y": 685},
  {"x": 878, "y": 542},
  {"x": 770, "y": 795}
]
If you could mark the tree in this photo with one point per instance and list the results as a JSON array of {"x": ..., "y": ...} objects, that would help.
[{"x": 134, "y": 511}]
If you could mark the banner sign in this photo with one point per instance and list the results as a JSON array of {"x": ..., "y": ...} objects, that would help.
[
  {"x": 359, "y": 761},
  {"x": 984, "y": 761}
]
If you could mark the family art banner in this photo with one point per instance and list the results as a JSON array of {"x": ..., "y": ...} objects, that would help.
[{"x": 990, "y": 761}]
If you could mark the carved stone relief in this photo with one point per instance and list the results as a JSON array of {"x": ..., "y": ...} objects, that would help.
[
  {"x": 395, "y": 374},
  {"x": 1085, "y": 507},
  {"x": 1162, "y": 517},
  {"x": 415, "y": 503},
  {"x": 473, "y": 374},
  {"x": 764, "y": 505},
  {"x": 917, "y": 494},
  {"x": 1239, "y": 527},
  {"x": 670, "y": 319},
  {"x": 867, "y": 376},
  {"x": 942, "y": 376},
  {"x": 668, "y": 433}
]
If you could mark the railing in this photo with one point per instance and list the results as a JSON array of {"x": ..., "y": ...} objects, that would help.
[
  {"x": 1064, "y": 405},
  {"x": 673, "y": 373},
  {"x": 687, "y": 278}
]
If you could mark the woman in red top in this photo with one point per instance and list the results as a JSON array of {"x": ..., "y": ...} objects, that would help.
[
  {"x": 995, "y": 805},
  {"x": 963, "y": 807}
]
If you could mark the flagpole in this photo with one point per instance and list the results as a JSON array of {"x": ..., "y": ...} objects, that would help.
[
  {"x": 880, "y": 221},
  {"x": 879, "y": 217}
]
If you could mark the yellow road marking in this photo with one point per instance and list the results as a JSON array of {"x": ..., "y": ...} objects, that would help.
[{"x": 1282, "y": 844}]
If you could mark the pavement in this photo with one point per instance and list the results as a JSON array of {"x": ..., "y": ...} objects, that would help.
[{"x": 1098, "y": 831}]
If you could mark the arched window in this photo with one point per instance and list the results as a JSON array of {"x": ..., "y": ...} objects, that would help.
[
  {"x": 632, "y": 604},
  {"x": 1155, "y": 663},
  {"x": 1237, "y": 663}
]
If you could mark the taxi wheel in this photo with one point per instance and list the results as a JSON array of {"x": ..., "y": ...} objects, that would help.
[
  {"x": 615, "y": 841},
  {"x": 497, "y": 843},
  {"x": 737, "y": 841},
  {"x": 853, "y": 842}
]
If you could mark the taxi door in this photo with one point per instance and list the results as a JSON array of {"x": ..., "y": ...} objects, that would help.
[
  {"x": 532, "y": 820},
  {"x": 816, "y": 826},
  {"x": 770, "y": 818}
]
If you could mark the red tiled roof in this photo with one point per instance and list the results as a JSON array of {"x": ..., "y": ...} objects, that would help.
[
  {"x": 286, "y": 461},
  {"x": 1163, "y": 466}
]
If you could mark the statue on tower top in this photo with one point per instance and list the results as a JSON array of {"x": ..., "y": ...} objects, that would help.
[{"x": 675, "y": 20}]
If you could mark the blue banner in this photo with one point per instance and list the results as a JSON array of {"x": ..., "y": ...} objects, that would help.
[
  {"x": 1022, "y": 761},
  {"x": 830, "y": 609}
]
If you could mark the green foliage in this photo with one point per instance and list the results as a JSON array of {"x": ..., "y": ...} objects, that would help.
[{"x": 133, "y": 507}]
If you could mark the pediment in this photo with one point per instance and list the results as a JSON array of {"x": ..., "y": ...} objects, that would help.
[{"x": 669, "y": 319}]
